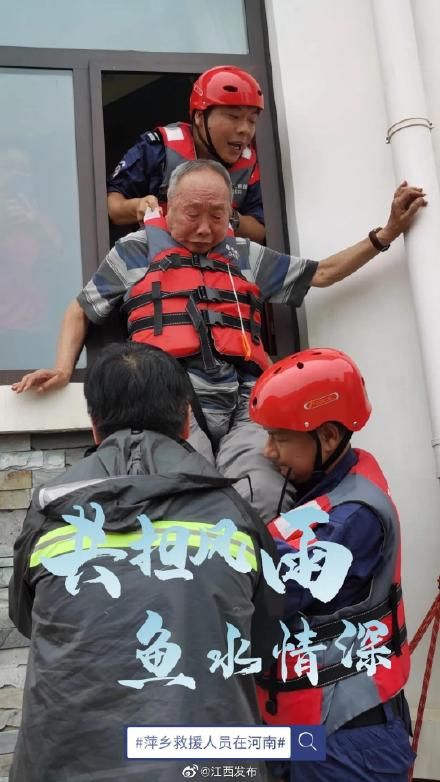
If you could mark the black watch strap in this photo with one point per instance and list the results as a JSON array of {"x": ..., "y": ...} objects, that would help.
[{"x": 377, "y": 244}]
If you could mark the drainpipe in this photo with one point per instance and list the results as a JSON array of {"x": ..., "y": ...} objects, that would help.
[{"x": 409, "y": 136}]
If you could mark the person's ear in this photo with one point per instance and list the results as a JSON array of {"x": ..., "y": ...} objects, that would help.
[
  {"x": 198, "y": 119},
  {"x": 187, "y": 424},
  {"x": 330, "y": 438}
]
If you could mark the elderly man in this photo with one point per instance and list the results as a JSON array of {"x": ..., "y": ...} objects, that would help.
[
  {"x": 130, "y": 570},
  {"x": 191, "y": 288}
]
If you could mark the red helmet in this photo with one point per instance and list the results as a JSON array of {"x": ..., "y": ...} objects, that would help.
[
  {"x": 225, "y": 85},
  {"x": 307, "y": 389}
]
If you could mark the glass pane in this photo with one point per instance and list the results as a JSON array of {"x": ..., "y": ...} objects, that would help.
[
  {"x": 138, "y": 25},
  {"x": 40, "y": 252}
]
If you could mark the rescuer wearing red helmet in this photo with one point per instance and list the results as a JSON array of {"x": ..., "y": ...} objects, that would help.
[
  {"x": 310, "y": 404},
  {"x": 224, "y": 106}
]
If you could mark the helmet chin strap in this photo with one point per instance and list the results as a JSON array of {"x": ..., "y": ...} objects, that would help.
[
  {"x": 208, "y": 144},
  {"x": 283, "y": 491},
  {"x": 320, "y": 467}
]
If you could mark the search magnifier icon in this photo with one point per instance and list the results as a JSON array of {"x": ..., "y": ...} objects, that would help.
[{"x": 305, "y": 743}]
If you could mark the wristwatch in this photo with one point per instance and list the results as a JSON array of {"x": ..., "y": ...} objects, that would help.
[
  {"x": 377, "y": 244},
  {"x": 234, "y": 220}
]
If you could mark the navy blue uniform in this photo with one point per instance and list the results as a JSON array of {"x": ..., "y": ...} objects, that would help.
[
  {"x": 373, "y": 753},
  {"x": 140, "y": 173}
]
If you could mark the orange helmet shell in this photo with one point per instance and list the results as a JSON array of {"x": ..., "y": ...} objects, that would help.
[
  {"x": 225, "y": 85},
  {"x": 307, "y": 389}
]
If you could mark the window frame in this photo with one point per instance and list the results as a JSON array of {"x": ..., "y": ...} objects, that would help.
[{"x": 87, "y": 67}]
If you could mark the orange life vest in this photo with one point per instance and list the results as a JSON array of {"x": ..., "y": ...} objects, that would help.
[{"x": 191, "y": 304}]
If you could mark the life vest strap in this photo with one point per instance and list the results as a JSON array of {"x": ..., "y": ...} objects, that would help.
[
  {"x": 177, "y": 261},
  {"x": 334, "y": 629},
  {"x": 208, "y": 317},
  {"x": 327, "y": 676},
  {"x": 196, "y": 318},
  {"x": 156, "y": 296},
  {"x": 201, "y": 294}
]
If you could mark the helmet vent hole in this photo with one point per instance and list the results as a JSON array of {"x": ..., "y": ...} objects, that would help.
[
  {"x": 316, "y": 353},
  {"x": 254, "y": 401},
  {"x": 300, "y": 365},
  {"x": 230, "y": 88},
  {"x": 278, "y": 369}
]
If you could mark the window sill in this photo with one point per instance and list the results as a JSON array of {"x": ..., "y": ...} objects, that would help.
[{"x": 63, "y": 410}]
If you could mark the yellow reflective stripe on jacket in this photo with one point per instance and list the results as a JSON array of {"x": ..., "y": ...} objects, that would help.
[
  {"x": 68, "y": 529},
  {"x": 62, "y": 540}
]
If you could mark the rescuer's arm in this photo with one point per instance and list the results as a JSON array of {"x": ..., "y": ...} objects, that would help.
[
  {"x": 134, "y": 184},
  {"x": 250, "y": 228},
  {"x": 359, "y": 530},
  {"x": 406, "y": 203},
  {"x": 125, "y": 211},
  {"x": 251, "y": 224}
]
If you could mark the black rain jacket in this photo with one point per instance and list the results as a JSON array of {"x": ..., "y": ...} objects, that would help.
[{"x": 84, "y": 642}]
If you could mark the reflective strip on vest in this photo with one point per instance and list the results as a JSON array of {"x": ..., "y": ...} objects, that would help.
[
  {"x": 62, "y": 540},
  {"x": 340, "y": 697}
]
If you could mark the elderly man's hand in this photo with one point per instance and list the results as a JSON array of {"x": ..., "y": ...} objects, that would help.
[
  {"x": 406, "y": 203},
  {"x": 42, "y": 380}
]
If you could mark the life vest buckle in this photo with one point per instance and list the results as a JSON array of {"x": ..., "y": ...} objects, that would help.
[
  {"x": 212, "y": 318},
  {"x": 206, "y": 294},
  {"x": 173, "y": 259},
  {"x": 202, "y": 262}
]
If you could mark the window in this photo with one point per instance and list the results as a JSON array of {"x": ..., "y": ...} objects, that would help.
[
  {"x": 198, "y": 26},
  {"x": 67, "y": 114},
  {"x": 39, "y": 217}
]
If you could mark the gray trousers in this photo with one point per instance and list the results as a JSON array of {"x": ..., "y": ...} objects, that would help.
[{"x": 238, "y": 452}]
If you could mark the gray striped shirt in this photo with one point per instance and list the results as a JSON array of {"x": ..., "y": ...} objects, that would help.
[{"x": 281, "y": 278}]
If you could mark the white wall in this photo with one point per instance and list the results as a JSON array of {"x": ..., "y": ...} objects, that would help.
[
  {"x": 426, "y": 15},
  {"x": 332, "y": 122},
  {"x": 55, "y": 411}
]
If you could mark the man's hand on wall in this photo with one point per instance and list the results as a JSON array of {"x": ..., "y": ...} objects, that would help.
[{"x": 406, "y": 203}]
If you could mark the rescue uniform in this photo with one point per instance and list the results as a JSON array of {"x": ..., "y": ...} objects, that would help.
[
  {"x": 85, "y": 643},
  {"x": 366, "y": 716},
  {"x": 146, "y": 168},
  {"x": 223, "y": 385}
]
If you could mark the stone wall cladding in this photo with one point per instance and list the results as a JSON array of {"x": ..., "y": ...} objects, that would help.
[{"x": 27, "y": 461}]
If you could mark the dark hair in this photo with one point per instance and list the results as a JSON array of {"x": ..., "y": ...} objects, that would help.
[{"x": 136, "y": 386}]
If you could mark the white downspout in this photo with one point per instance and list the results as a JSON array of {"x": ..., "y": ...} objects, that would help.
[{"x": 413, "y": 156}]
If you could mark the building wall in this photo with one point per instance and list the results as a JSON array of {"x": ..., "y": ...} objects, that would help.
[
  {"x": 27, "y": 461},
  {"x": 339, "y": 180},
  {"x": 426, "y": 14}
]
